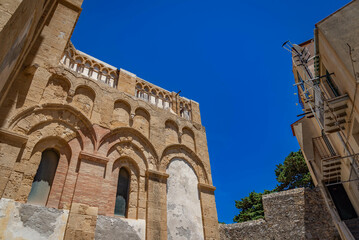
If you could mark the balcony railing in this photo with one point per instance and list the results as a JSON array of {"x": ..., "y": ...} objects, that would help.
[
  {"x": 329, "y": 161},
  {"x": 89, "y": 67},
  {"x": 336, "y": 113},
  {"x": 99, "y": 71},
  {"x": 162, "y": 98}
]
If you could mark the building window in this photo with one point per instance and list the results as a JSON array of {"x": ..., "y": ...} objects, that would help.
[
  {"x": 331, "y": 84},
  {"x": 44, "y": 178},
  {"x": 122, "y": 192}
]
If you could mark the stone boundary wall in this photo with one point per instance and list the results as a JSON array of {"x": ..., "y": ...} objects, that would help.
[{"x": 293, "y": 214}]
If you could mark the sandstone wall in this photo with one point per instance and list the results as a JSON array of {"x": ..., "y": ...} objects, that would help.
[
  {"x": 183, "y": 203},
  {"x": 293, "y": 214},
  {"x": 98, "y": 119}
]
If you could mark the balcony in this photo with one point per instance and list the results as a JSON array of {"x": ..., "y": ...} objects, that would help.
[
  {"x": 329, "y": 161},
  {"x": 336, "y": 113}
]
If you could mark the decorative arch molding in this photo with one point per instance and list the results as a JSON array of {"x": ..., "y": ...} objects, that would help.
[
  {"x": 130, "y": 150},
  {"x": 84, "y": 99},
  {"x": 89, "y": 89},
  {"x": 130, "y": 135},
  {"x": 135, "y": 189},
  {"x": 62, "y": 147},
  {"x": 183, "y": 152},
  {"x": 55, "y": 128},
  {"x": 57, "y": 89},
  {"x": 78, "y": 80},
  {"x": 28, "y": 120},
  {"x": 121, "y": 114},
  {"x": 59, "y": 144},
  {"x": 128, "y": 163}
]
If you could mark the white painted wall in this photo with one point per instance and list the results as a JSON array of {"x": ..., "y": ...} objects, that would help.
[{"x": 184, "y": 218}]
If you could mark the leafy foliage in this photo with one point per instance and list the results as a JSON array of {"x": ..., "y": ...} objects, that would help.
[
  {"x": 251, "y": 207},
  {"x": 293, "y": 173}
]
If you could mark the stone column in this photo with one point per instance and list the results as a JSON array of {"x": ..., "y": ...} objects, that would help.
[
  {"x": 156, "y": 222},
  {"x": 126, "y": 82},
  {"x": 196, "y": 115},
  {"x": 209, "y": 211}
]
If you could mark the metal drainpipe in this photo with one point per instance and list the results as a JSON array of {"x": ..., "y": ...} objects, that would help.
[{"x": 316, "y": 44}]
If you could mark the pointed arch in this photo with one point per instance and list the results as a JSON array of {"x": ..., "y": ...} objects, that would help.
[
  {"x": 185, "y": 153},
  {"x": 29, "y": 120},
  {"x": 132, "y": 136},
  {"x": 49, "y": 196}
]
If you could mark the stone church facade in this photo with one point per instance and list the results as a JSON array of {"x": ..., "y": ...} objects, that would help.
[{"x": 88, "y": 150}]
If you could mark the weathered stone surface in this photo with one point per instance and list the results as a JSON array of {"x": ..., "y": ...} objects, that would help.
[
  {"x": 30, "y": 222},
  {"x": 108, "y": 228},
  {"x": 257, "y": 229},
  {"x": 293, "y": 214},
  {"x": 184, "y": 218}
]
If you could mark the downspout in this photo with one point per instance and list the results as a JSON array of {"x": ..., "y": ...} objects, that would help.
[{"x": 316, "y": 52}]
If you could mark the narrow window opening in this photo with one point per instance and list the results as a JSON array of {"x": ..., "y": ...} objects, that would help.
[
  {"x": 44, "y": 178},
  {"x": 122, "y": 193},
  {"x": 331, "y": 84}
]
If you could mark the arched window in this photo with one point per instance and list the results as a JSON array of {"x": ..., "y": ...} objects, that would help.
[
  {"x": 122, "y": 193},
  {"x": 44, "y": 177}
]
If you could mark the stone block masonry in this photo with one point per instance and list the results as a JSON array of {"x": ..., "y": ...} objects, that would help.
[
  {"x": 90, "y": 122},
  {"x": 293, "y": 214}
]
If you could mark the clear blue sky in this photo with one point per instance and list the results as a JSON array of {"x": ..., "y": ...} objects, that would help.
[{"x": 227, "y": 56}]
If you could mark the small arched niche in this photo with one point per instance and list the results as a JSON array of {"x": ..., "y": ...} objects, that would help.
[
  {"x": 184, "y": 215},
  {"x": 171, "y": 132},
  {"x": 141, "y": 121},
  {"x": 121, "y": 114},
  {"x": 84, "y": 99},
  {"x": 43, "y": 180},
  {"x": 56, "y": 90},
  {"x": 188, "y": 138}
]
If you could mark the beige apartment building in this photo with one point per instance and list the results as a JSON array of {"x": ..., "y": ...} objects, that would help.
[
  {"x": 88, "y": 150},
  {"x": 326, "y": 72}
]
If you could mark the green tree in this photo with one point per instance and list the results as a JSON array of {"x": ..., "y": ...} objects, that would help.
[
  {"x": 250, "y": 207},
  {"x": 293, "y": 173}
]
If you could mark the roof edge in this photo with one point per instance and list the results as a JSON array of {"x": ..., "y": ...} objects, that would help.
[
  {"x": 291, "y": 126},
  {"x": 316, "y": 25}
]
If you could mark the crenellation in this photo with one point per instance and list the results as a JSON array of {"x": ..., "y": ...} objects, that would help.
[{"x": 292, "y": 214}]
